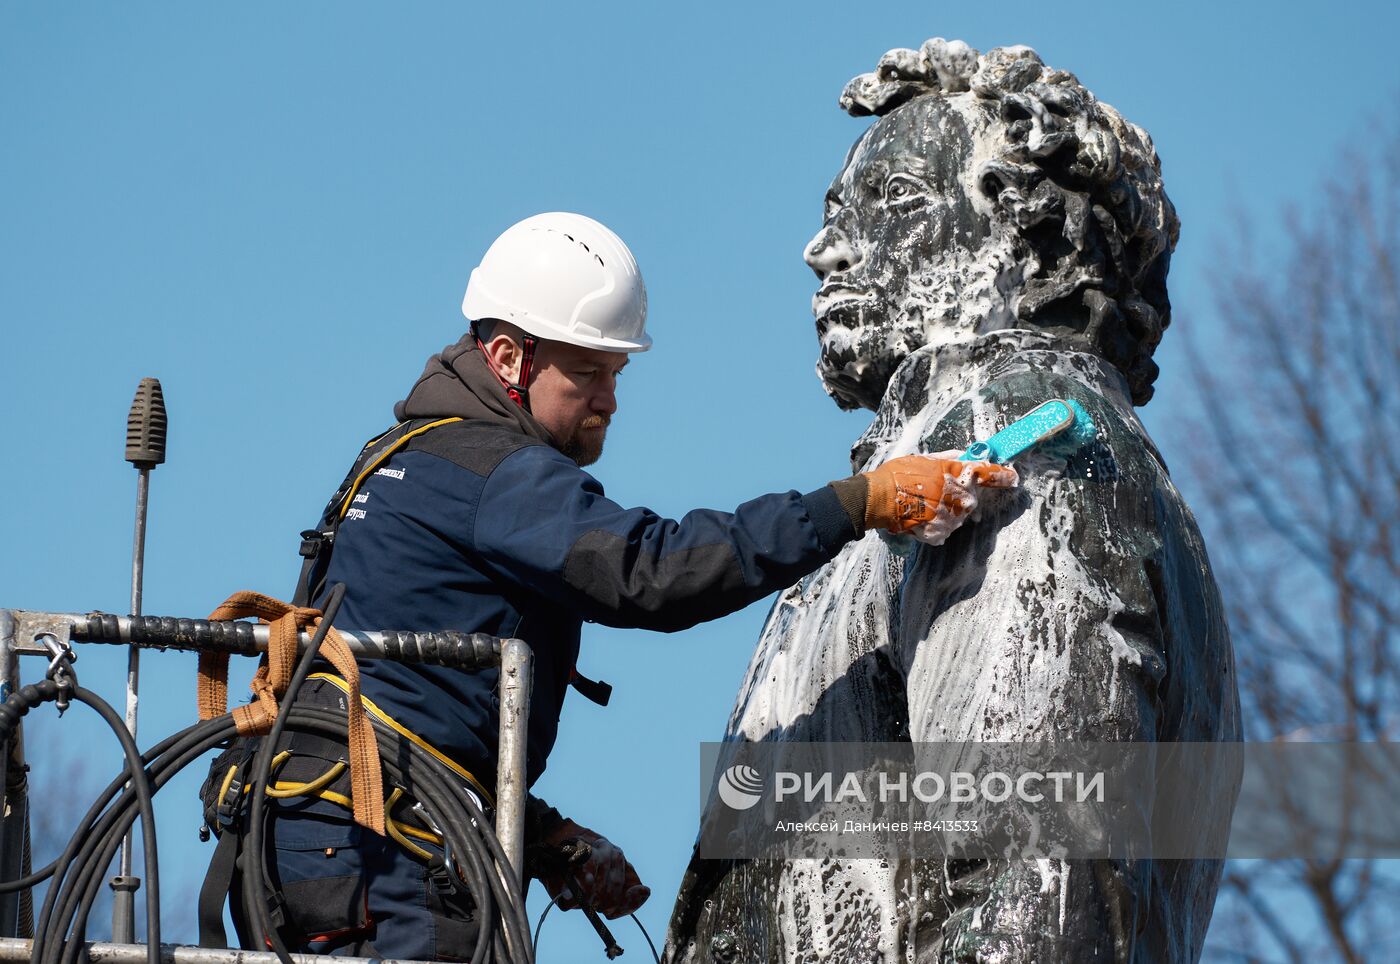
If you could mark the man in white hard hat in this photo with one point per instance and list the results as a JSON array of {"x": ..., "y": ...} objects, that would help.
[
  {"x": 568, "y": 284},
  {"x": 482, "y": 519}
]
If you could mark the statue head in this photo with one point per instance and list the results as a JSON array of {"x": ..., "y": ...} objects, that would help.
[{"x": 992, "y": 192}]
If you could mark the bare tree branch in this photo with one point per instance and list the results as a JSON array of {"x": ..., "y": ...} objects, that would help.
[{"x": 1297, "y": 447}]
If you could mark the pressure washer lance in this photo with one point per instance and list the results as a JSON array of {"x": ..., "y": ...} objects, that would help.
[
  {"x": 146, "y": 426},
  {"x": 576, "y": 852}
]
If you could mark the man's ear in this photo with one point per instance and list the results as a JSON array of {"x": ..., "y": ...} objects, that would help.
[{"x": 505, "y": 356}]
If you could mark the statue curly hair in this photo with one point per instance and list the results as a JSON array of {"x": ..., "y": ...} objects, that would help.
[{"x": 1079, "y": 188}]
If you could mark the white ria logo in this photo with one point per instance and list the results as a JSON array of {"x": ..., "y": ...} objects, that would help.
[{"x": 740, "y": 787}]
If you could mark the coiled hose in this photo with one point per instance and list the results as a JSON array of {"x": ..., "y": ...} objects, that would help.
[{"x": 472, "y": 853}]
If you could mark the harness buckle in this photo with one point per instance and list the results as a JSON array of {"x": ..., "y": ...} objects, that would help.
[
  {"x": 312, "y": 540},
  {"x": 593, "y": 690},
  {"x": 441, "y": 877},
  {"x": 276, "y": 908},
  {"x": 230, "y": 806}
]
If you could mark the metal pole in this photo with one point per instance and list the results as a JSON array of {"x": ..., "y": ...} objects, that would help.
[
  {"x": 517, "y": 673},
  {"x": 15, "y": 809},
  {"x": 9, "y": 677},
  {"x": 133, "y": 659},
  {"x": 470, "y": 651},
  {"x": 146, "y": 425},
  {"x": 102, "y": 952},
  {"x": 125, "y": 884}
]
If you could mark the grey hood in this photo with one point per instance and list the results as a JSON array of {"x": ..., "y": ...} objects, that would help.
[{"x": 456, "y": 381}]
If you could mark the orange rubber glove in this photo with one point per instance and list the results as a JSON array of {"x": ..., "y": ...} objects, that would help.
[{"x": 929, "y": 496}]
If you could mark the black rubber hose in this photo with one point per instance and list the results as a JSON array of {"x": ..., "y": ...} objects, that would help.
[
  {"x": 459, "y": 855},
  {"x": 19, "y": 704},
  {"x": 95, "y": 832},
  {"x": 101, "y": 835},
  {"x": 495, "y": 856},
  {"x": 439, "y": 789},
  {"x": 254, "y": 885},
  {"x": 99, "y": 843},
  {"x": 100, "y": 832},
  {"x": 140, "y": 784},
  {"x": 255, "y": 873},
  {"x": 475, "y": 857},
  {"x": 480, "y": 859},
  {"x": 141, "y": 788},
  {"x": 29, "y": 880}
]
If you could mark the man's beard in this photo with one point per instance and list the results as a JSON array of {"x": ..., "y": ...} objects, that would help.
[{"x": 586, "y": 447}]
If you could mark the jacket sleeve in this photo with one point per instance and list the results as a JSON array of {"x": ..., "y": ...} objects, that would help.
[{"x": 544, "y": 523}]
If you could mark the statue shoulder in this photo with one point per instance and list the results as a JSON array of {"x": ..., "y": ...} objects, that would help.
[{"x": 1002, "y": 399}]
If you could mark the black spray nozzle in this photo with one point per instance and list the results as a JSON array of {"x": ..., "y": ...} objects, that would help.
[
  {"x": 146, "y": 426},
  {"x": 575, "y": 852}
]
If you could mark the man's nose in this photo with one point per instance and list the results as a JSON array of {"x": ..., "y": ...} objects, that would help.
[
  {"x": 605, "y": 399},
  {"x": 830, "y": 252}
]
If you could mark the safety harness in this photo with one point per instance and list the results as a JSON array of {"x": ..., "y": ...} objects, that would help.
[
  {"x": 309, "y": 768},
  {"x": 317, "y": 544},
  {"x": 356, "y": 763},
  {"x": 270, "y": 682}
]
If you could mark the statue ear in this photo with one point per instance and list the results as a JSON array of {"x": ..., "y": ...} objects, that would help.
[{"x": 1021, "y": 194}]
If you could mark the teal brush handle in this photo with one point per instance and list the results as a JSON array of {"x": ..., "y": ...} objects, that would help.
[{"x": 1065, "y": 421}]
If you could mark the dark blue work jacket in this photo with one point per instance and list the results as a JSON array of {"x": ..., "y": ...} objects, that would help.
[{"x": 477, "y": 527}]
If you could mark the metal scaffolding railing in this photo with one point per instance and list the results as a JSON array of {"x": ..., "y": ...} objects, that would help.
[{"x": 26, "y": 633}]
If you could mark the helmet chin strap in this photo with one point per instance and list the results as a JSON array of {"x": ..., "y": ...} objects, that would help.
[{"x": 519, "y": 392}]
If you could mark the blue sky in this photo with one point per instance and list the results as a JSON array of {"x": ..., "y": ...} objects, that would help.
[{"x": 274, "y": 209}]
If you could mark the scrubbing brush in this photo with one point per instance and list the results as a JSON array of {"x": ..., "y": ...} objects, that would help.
[{"x": 1061, "y": 426}]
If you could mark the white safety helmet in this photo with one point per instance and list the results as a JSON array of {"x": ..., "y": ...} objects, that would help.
[{"x": 562, "y": 277}]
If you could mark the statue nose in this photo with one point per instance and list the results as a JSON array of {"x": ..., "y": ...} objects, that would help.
[{"x": 830, "y": 252}]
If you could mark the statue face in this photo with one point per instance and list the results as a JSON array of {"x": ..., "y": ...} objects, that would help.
[{"x": 897, "y": 234}]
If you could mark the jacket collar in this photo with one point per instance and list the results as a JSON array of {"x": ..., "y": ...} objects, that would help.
[{"x": 457, "y": 382}]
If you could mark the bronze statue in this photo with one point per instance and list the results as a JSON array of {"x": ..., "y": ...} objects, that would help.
[{"x": 998, "y": 237}]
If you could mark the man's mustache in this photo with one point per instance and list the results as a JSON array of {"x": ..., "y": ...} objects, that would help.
[{"x": 596, "y": 421}]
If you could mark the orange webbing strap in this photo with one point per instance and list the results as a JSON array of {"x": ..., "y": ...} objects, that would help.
[{"x": 285, "y": 624}]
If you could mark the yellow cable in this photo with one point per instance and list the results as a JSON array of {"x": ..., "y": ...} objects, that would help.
[
  {"x": 228, "y": 782},
  {"x": 398, "y": 831},
  {"x": 379, "y": 460},
  {"x": 277, "y": 761},
  {"x": 408, "y": 734},
  {"x": 424, "y": 835},
  {"x": 392, "y": 826},
  {"x": 408, "y": 828},
  {"x": 395, "y": 831},
  {"x": 281, "y": 790}
]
